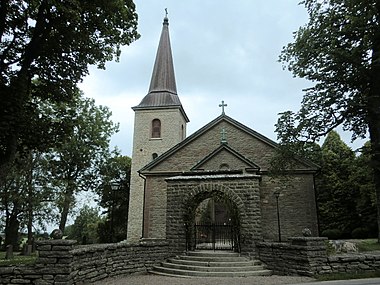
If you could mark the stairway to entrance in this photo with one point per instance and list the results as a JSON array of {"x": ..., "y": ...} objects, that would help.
[{"x": 205, "y": 263}]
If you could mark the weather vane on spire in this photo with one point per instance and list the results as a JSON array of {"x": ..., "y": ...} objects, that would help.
[{"x": 166, "y": 12}]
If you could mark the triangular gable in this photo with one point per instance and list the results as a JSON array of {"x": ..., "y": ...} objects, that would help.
[
  {"x": 235, "y": 160},
  {"x": 193, "y": 137}
]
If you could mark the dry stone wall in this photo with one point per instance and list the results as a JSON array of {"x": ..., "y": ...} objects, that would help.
[
  {"x": 308, "y": 256},
  {"x": 60, "y": 263}
]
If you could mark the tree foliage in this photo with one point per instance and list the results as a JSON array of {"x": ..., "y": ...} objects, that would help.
[
  {"x": 84, "y": 229},
  {"x": 45, "y": 49},
  {"x": 339, "y": 51},
  {"x": 345, "y": 191},
  {"x": 25, "y": 198},
  {"x": 336, "y": 195},
  {"x": 117, "y": 171},
  {"x": 75, "y": 164}
]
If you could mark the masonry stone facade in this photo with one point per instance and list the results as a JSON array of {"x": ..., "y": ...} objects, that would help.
[
  {"x": 236, "y": 170},
  {"x": 226, "y": 160}
]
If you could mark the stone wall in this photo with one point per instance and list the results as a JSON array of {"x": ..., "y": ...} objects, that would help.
[
  {"x": 60, "y": 263},
  {"x": 307, "y": 256}
]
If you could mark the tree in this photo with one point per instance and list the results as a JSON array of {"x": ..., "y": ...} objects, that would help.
[
  {"x": 84, "y": 229},
  {"x": 45, "y": 49},
  {"x": 116, "y": 170},
  {"x": 336, "y": 195},
  {"x": 25, "y": 198},
  {"x": 75, "y": 164},
  {"x": 339, "y": 51},
  {"x": 362, "y": 179}
]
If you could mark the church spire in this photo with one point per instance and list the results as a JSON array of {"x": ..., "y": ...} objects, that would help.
[
  {"x": 162, "y": 90},
  {"x": 163, "y": 78}
]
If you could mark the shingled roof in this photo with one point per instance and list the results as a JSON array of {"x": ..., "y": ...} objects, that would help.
[{"x": 162, "y": 90}]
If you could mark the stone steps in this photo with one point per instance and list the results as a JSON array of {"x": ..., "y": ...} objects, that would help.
[{"x": 211, "y": 264}]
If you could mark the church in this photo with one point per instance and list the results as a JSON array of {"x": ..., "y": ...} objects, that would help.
[{"x": 212, "y": 189}]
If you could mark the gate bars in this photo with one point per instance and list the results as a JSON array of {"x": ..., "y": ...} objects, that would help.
[{"x": 213, "y": 237}]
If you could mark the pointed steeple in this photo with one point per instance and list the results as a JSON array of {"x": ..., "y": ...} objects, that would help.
[
  {"x": 162, "y": 90},
  {"x": 163, "y": 78}
]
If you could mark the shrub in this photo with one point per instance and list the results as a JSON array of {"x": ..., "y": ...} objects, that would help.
[
  {"x": 360, "y": 233},
  {"x": 332, "y": 233}
]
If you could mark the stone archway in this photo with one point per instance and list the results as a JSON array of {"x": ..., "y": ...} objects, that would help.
[
  {"x": 220, "y": 194},
  {"x": 242, "y": 193}
]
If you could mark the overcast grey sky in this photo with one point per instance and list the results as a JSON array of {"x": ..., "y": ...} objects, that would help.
[{"x": 222, "y": 50}]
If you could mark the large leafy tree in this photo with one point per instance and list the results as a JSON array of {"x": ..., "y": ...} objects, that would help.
[
  {"x": 75, "y": 164},
  {"x": 339, "y": 51},
  {"x": 25, "y": 198},
  {"x": 114, "y": 198},
  {"x": 45, "y": 49},
  {"x": 84, "y": 229},
  {"x": 336, "y": 194},
  {"x": 362, "y": 180}
]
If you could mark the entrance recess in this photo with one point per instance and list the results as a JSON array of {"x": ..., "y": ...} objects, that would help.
[{"x": 214, "y": 236}]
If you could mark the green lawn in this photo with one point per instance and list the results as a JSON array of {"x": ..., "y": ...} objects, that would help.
[
  {"x": 368, "y": 245},
  {"x": 17, "y": 259},
  {"x": 347, "y": 276}
]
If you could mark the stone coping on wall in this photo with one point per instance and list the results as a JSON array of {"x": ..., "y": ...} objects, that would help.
[
  {"x": 144, "y": 242},
  {"x": 216, "y": 176}
]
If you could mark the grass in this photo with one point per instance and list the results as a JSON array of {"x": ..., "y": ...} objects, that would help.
[
  {"x": 368, "y": 245},
  {"x": 347, "y": 276},
  {"x": 17, "y": 259}
]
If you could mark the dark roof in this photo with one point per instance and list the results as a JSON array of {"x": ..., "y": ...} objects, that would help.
[{"x": 162, "y": 90}]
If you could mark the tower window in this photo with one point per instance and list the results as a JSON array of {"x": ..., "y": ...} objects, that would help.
[{"x": 156, "y": 128}]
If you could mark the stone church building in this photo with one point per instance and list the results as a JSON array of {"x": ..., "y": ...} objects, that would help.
[{"x": 226, "y": 161}]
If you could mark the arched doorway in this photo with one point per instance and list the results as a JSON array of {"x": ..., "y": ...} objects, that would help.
[
  {"x": 241, "y": 194},
  {"x": 212, "y": 222}
]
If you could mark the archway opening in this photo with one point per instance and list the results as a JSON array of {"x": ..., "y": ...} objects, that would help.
[{"x": 212, "y": 222}]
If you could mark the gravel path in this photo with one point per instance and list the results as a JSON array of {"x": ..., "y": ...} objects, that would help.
[{"x": 162, "y": 280}]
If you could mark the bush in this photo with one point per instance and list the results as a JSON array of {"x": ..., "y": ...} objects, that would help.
[
  {"x": 360, "y": 233},
  {"x": 332, "y": 233}
]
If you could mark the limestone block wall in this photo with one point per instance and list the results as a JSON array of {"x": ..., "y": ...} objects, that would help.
[
  {"x": 155, "y": 208},
  {"x": 302, "y": 256},
  {"x": 53, "y": 266},
  {"x": 297, "y": 206},
  {"x": 60, "y": 263},
  {"x": 307, "y": 256},
  {"x": 97, "y": 262}
]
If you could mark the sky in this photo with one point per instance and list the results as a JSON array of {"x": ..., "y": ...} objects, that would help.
[{"x": 222, "y": 50}]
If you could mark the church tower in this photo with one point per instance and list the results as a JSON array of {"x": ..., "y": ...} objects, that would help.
[{"x": 160, "y": 124}]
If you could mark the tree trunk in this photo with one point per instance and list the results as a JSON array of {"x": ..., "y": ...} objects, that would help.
[
  {"x": 30, "y": 200},
  {"x": 374, "y": 116},
  {"x": 67, "y": 203},
  {"x": 11, "y": 232}
]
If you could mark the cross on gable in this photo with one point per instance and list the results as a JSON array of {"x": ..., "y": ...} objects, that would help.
[
  {"x": 223, "y": 139},
  {"x": 222, "y": 105}
]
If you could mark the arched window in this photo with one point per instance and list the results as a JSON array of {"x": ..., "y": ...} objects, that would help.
[
  {"x": 224, "y": 166},
  {"x": 156, "y": 128}
]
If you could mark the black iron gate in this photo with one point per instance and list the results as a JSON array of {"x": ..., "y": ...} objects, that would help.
[{"x": 216, "y": 237}]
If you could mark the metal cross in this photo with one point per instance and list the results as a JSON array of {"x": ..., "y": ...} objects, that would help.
[{"x": 222, "y": 105}]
